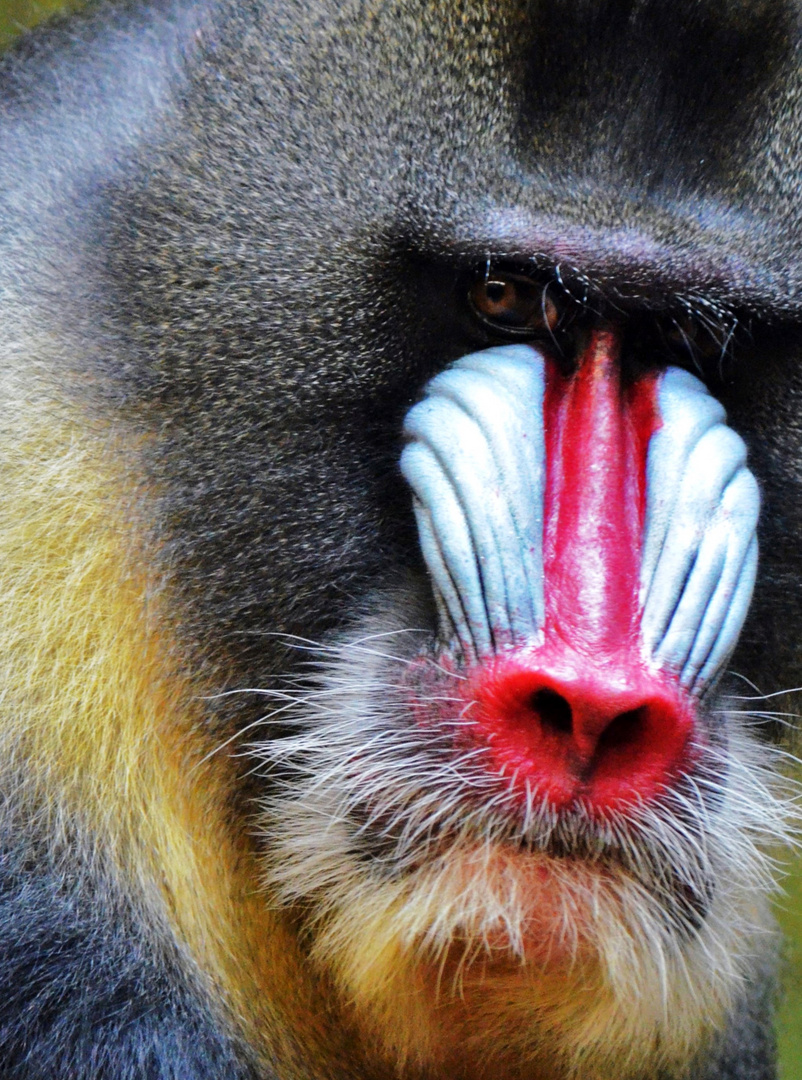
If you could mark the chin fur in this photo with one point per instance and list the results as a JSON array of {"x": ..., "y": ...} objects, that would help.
[{"x": 464, "y": 925}]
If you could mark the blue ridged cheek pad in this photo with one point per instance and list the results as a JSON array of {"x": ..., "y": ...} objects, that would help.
[
  {"x": 475, "y": 460},
  {"x": 700, "y": 544}
]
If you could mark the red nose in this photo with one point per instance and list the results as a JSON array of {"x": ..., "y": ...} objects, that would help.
[
  {"x": 583, "y": 715},
  {"x": 571, "y": 730}
]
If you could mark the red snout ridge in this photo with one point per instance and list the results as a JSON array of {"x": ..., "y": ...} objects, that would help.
[{"x": 583, "y": 715}]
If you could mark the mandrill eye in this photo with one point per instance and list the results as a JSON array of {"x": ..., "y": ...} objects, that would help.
[
  {"x": 703, "y": 339},
  {"x": 513, "y": 305}
]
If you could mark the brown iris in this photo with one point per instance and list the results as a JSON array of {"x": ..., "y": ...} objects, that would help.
[{"x": 513, "y": 304}]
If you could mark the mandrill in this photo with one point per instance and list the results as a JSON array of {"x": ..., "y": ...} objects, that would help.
[{"x": 393, "y": 398}]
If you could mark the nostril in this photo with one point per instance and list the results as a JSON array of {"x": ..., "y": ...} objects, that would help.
[
  {"x": 553, "y": 710},
  {"x": 626, "y": 729}
]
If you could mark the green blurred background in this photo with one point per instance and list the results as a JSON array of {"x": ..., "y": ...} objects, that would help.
[{"x": 15, "y": 16}]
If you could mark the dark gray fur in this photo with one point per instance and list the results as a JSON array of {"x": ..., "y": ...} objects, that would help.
[{"x": 251, "y": 223}]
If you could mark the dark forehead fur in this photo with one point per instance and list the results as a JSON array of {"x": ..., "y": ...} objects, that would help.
[{"x": 266, "y": 210}]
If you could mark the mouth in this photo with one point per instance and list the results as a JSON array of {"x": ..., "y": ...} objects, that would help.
[{"x": 387, "y": 776}]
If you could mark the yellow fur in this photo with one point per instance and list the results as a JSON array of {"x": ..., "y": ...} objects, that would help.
[{"x": 101, "y": 733}]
